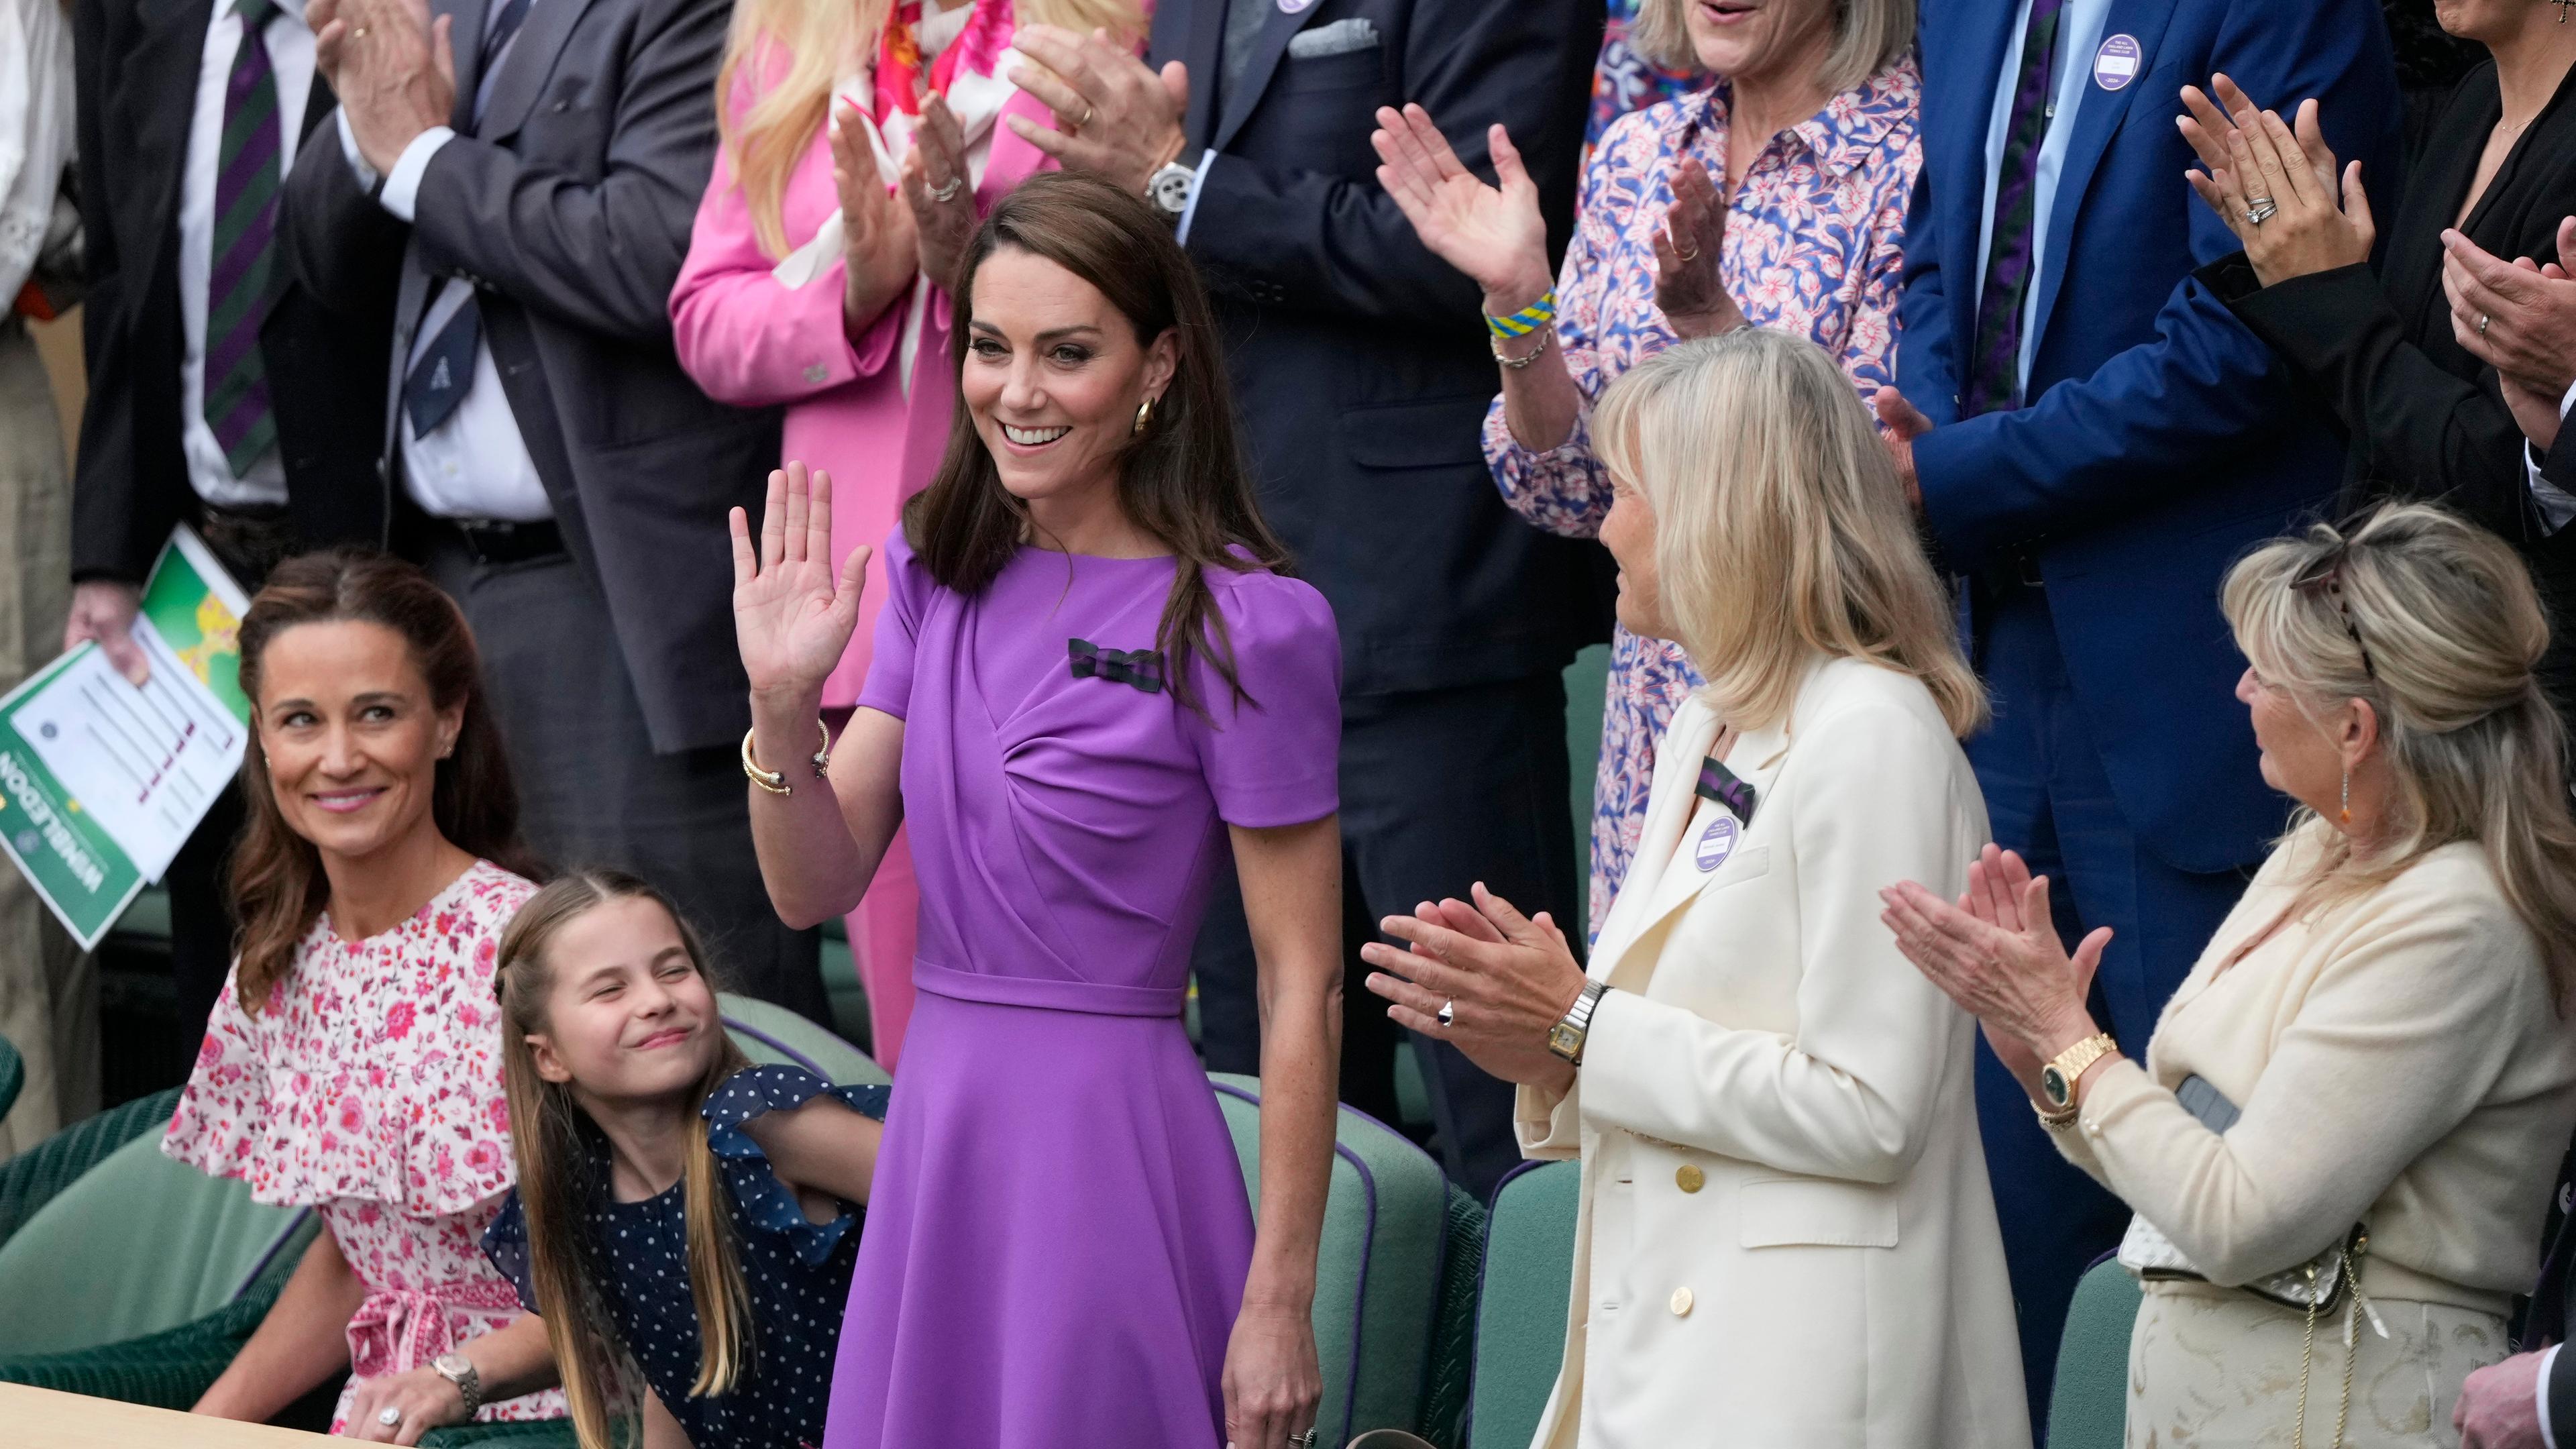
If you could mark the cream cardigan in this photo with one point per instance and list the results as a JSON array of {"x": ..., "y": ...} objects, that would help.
[{"x": 2399, "y": 1063}]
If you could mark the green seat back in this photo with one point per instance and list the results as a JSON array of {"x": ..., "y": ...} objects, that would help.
[
  {"x": 770, "y": 1033},
  {"x": 2089, "y": 1406},
  {"x": 136, "y": 1245},
  {"x": 1377, "y": 1280},
  {"x": 13, "y": 1075},
  {"x": 1520, "y": 1315}
]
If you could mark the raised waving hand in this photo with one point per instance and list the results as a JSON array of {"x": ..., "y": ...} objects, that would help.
[
  {"x": 792, "y": 616},
  {"x": 1496, "y": 236}
]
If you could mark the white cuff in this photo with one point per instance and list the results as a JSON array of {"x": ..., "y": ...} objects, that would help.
[
  {"x": 2540, "y": 1395},
  {"x": 358, "y": 166},
  {"x": 1198, "y": 187},
  {"x": 402, "y": 184},
  {"x": 2557, "y": 506},
  {"x": 2567, "y": 403}
]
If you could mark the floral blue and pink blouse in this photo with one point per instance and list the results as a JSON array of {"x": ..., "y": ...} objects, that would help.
[{"x": 1814, "y": 245}]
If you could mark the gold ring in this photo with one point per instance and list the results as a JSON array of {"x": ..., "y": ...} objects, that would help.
[
  {"x": 358, "y": 34},
  {"x": 1088, "y": 111},
  {"x": 1688, "y": 256}
]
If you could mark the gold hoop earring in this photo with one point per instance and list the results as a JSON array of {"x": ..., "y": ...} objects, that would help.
[{"x": 1144, "y": 418}]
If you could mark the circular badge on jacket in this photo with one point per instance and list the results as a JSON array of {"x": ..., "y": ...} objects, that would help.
[
  {"x": 2114, "y": 65},
  {"x": 1295, "y": 7},
  {"x": 1715, "y": 844}
]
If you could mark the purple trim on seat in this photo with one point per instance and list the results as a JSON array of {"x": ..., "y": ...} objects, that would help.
[
  {"x": 774, "y": 1044},
  {"x": 1476, "y": 1330},
  {"x": 278, "y": 1245},
  {"x": 1368, "y": 1240}
]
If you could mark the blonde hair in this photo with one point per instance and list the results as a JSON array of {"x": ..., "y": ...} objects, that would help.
[
  {"x": 798, "y": 49},
  {"x": 1869, "y": 36},
  {"x": 1780, "y": 527},
  {"x": 2434, "y": 623},
  {"x": 546, "y": 1124}
]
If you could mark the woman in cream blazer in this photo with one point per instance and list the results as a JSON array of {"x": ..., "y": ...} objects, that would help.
[{"x": 1786, "y": 1236}]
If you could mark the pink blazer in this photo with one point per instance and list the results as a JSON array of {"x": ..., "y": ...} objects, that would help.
[{"x": 752, "y": 341}]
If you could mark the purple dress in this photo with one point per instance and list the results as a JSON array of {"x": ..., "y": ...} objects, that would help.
[{"x": 1058, "y": 1233}]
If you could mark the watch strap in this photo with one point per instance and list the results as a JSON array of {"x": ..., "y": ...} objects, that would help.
[
  {"x": 459, "y": 1370},
  {"x": 2072, "y": 1063},
  {"x": 1574, "y": 1029}
]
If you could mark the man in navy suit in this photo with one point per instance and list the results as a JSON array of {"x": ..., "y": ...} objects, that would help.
[{"x": 2094, "y": 439}]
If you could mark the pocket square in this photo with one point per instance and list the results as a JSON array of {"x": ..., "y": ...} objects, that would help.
[{"x": 1339, "y": 38}]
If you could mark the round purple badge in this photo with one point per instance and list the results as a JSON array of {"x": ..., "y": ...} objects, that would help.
[
  {"x": 1715, "y": 844},
  {"x": 2114, "y": 65},
  {"x": 1295, "y": 7}
]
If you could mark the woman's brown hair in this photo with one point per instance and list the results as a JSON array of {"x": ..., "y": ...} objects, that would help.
[
  {"x": 558, "y": 1178},
  {"x": 1183, "y": 479},
  {"x": 277, "y": 880}
]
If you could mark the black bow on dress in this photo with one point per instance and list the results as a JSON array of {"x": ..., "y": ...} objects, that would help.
[{"x": 1140, "y": 668}]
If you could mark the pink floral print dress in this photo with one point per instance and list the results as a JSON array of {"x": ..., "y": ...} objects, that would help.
[
  {"x": 370, "y": 1090},
  {"x": 1814, "y": 245}
]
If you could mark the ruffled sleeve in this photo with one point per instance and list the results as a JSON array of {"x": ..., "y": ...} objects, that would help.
[
  {"x": 374, "y": 1072},
  {"x": 1271, "y": 755},
  {"x": 505, "y": 1243},
  {"x": 762, "y": 1203}
]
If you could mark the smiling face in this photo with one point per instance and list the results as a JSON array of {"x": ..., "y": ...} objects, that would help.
[
  {"x": 1054, "y": 376},
  {"x": 1629, "y": 533},
  {"x": 1758, "y": 39},
  {"x": 629, "y": 1017},
  {"x": 351, "y": 735}
]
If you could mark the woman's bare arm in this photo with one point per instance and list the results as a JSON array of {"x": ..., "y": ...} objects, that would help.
[{"x": 301, "y": 1344}]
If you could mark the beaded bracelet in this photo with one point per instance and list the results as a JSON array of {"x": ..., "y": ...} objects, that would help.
[{"x": 1525, "y": 321}]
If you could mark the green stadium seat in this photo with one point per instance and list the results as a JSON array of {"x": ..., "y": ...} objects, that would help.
[
  {"x": 13, "y": 1075},
  {"x": 770, "y": 1033},
  {"x": 1520, "y": 1312},
  {"x": 2088, "y": 1407},
  {"x": 1378, "y": 1281}
]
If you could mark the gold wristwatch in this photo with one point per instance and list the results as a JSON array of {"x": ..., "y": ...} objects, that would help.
[
  {"x": 2057, "y": 1079},
  {"x": 1567, "y": 1036}
]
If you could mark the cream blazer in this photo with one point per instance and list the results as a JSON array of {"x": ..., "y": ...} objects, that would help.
[{"x": 1785, "y": 1236}]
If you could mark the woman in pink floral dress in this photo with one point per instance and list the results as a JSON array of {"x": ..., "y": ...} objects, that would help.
[
  {"x": 1776, "y": 197},
  {"x": 353, "y": 1062}
]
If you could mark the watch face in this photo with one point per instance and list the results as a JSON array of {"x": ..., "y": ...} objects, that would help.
[
  {"x": 2054, "y": 1083},
  {"x": 1170, "y": 190},
  {"x": 1562, "y": 1039}
]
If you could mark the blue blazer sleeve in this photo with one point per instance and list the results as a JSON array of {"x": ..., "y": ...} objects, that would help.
[
  {"x": 2154, "y": 418},
  {"x": 1927, "y": 369},
  {"x": 1334, "y": 243}
]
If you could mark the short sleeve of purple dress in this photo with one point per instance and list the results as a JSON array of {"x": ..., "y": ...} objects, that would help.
[{"x": 1058, "y": 1233}]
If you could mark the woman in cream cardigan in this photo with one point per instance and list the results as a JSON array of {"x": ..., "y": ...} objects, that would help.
[
  {"x": 1786, "y": 1235},
  {"x": 2381, "y": 1014}
]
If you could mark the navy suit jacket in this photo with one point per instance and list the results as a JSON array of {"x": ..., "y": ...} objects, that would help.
[
  {"x": 2162, "y": 440},
  {"x": 1358, "y": 358}
]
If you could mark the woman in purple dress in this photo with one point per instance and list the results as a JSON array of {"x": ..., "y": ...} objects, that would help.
[{"x": 1090, "y": 679}]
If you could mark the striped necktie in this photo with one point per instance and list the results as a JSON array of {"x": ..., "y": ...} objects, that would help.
[
  {"x": 244, "y": 251},
  {"x": 444, "y": 371},
  {"x": 1994, "y": 384}
]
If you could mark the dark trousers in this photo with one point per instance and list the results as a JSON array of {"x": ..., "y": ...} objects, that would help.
[
  {"x": 2049, "y": 798},
  {"x": 592, "y": 789},
  {"x": 1440, "y": 789}
]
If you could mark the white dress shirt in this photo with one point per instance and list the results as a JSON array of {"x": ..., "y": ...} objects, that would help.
[
  {"x": 35, "y": 133},
  {"x": 2556, "y": 504},
  {"x": 475, "y": 464},
  {"x": 290, "y": 56},
  {"x": 2079, "y": 33}
]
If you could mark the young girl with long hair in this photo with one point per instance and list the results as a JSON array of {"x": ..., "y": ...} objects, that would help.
[
  {"x": 862, "y": 142},
  {"x": 684, "y": 1222}
]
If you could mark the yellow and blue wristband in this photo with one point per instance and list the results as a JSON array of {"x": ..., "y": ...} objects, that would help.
[{"x": 1525, "y": 321}]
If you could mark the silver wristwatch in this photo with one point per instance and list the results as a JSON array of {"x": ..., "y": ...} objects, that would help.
[
  {"x": 457, "y": 1369},
  {"x": 1170, "y": 189},
  {"x": 1567, "y": 1036}
]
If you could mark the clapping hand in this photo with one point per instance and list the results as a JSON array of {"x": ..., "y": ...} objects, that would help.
[
  {"x": 2275, "y": 185},
  {"x": 2518, "y": 317},
  {"x": 1997, "y": 954},
  {"x": 1496, "y": 236},
  {"x": 790, "y": 617},
  {"x": 878, "y": 237},
  {"x": 1114, "y": 117},
  {"x": 392, "y": 67},
  {"x": 1506, "y": 979},
  {"x": 940, "y": 193},
  {"x": 1688, "y": 251}
]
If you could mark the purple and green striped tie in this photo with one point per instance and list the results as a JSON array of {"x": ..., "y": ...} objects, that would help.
[
  {"x": 237, "y": 287},
  {"x": 1994, "y": 379}
]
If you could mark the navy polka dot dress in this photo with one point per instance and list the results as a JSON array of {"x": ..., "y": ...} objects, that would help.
[{"x": 798, "y": 1272}]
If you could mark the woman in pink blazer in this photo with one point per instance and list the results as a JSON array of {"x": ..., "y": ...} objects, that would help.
[{"x": 786, "y": 301}]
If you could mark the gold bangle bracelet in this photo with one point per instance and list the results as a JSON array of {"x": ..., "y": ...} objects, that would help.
[{"x": 774, "y": 781}]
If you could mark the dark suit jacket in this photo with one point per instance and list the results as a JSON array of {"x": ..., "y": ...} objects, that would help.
[
  {"x": 2424, "y": 416},
  {"x": 1359, "y": 359},
  {"x": 570, "y": 207},
  {"x": 2162, "y": 440},
  {"x": 137, "y": 86}
]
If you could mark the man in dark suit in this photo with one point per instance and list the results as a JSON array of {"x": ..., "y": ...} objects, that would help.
[
  {"x": 222, "y": 394},
  {"x": 2529, "y": 1400},
  {"x": 2095, "y": 438},
  {"x": 527, "y": 204},
  {"x": 1362, "y": 373}
]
